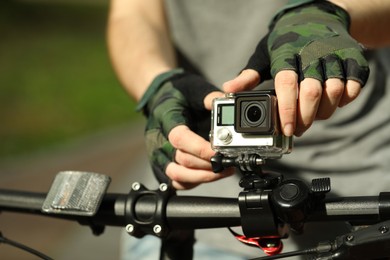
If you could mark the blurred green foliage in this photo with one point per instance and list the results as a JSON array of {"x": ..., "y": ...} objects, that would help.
[{"x": 56, "y": 81}]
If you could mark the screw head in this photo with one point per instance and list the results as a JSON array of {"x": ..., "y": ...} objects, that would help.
[
  {"x": 163, "y": 187},
  {"x": 349, "y": 238},
  {"x": 157, "y": 229},
  {"x": 136, "y": 186},
  {"x": 130, "y": 228},
  {"x": 383, "y": 229}
]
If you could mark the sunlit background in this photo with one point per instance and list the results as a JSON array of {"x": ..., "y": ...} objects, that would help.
[
  {"x": 56, "y": 82},
  {"x": 62, "y": 108}
]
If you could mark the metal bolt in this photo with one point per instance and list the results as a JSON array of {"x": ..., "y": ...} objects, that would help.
[
  {"x": 129, "y": 228},
  {"x": 271, "y": 245},
  {"x": 259, "y": 161},
  {"x": 349, "y": 238},
  {"x": 383, "y": 229},
  {"x": 163, "y": 187},
  {"x": 157, "y": 229},
  {"x": 136, "y": 186}
]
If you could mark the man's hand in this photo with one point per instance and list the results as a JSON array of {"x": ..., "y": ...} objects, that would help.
[
  {"x": 177, "y": 116},
  {"x": 317, "y": 66}
]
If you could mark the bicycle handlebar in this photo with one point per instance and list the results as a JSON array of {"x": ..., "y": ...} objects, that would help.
[
  {"x": 195, "y": 212},
  {"x": 181, "y": 212},
  {"x": 259, "y": 211}
]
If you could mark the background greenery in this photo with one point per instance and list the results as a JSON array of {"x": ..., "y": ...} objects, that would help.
[{"x": 56, "y": 81}]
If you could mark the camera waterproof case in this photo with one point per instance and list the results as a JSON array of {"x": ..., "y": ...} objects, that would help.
[{"x": 247, "y": 123}]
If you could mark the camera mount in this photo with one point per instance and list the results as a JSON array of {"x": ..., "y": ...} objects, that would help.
[
  {"x": 268, "y": 202},
  {"x": 243, "y": 162}
]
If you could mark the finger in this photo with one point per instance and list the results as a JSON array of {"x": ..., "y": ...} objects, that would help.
[
  {"x": 159, "y": 162},
  {"x": 286, "y": 88},
  {"x": 332, "y": 67},
  {"x": 208, "y": 100},
  {"x": 183, "y": 186},
  {"x": 351, "y": 92},
  {"x": 191, "y": 161},
  {"x": 356, "y": 68},
  {"x": 159, "y": 152},
  {"x": 310, "y": 91},
  {"x": 248, "y": 79},
  {"x": 183, "y": 177},
  {"x": 182, "y": 138},
  {"x": 333, "y": 90}
]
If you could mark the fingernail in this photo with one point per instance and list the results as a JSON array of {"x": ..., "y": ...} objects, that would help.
[{"x": 288, "y": 130}]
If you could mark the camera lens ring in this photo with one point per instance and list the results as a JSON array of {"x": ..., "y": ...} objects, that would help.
[{"x": 254, "y": 114}]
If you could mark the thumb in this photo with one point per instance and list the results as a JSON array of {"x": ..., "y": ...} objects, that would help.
[
  {"x": 256, "y": 71},
  {"x": 246, "y": 80},
  {"x": 260, "y": 60}
]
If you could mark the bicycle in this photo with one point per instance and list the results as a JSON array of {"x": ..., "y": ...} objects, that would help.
[{"x": 264, "y": 208}]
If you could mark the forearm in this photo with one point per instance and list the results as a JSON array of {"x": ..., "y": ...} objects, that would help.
[
  {"x": 139, "y": 43},
  {"x": 370, "y": 20}
]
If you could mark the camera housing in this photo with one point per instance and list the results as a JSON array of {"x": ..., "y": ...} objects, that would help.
[{"x": 247, "y": 123}]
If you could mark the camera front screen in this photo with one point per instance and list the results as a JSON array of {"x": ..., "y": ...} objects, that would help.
[{"x": 225, "y": 114}]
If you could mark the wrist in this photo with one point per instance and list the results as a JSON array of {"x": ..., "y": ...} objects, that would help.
[
  {"x": 145, "y": 79},
  {"x": 336, "y": 10},
  {"x": 341, "y": 4},
  {"x": 155, "y": 85},
  {"x": 291, "y": 4}
]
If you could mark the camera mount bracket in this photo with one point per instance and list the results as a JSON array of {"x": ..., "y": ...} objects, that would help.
[{"x": 243, "y": 162}]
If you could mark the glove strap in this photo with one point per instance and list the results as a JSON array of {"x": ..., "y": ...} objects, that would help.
[{"x": 157, "y": 82}]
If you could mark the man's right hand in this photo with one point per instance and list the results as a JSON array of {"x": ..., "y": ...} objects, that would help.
[{"x": 317, "y": 66}]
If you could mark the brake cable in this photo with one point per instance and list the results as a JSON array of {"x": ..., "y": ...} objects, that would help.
[{"x": 23, "y": 247}]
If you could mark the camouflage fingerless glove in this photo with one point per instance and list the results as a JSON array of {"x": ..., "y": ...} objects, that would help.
[
  {"x": 313, "y": 40},
  {"x": 174, "y": 98}
]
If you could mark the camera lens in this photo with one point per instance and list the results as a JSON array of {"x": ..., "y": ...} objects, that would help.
[{"x": 254, "y": 114}]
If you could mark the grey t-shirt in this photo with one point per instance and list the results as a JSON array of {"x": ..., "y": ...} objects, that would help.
[
  {"x": 352, "y": 147},
  {"x": 218, "y": 36}
]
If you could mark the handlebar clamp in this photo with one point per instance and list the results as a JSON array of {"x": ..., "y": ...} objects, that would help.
[{"x": 145, "y": 210}]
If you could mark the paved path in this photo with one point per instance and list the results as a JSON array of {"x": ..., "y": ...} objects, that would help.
[{"x": 118, "y": 153}]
